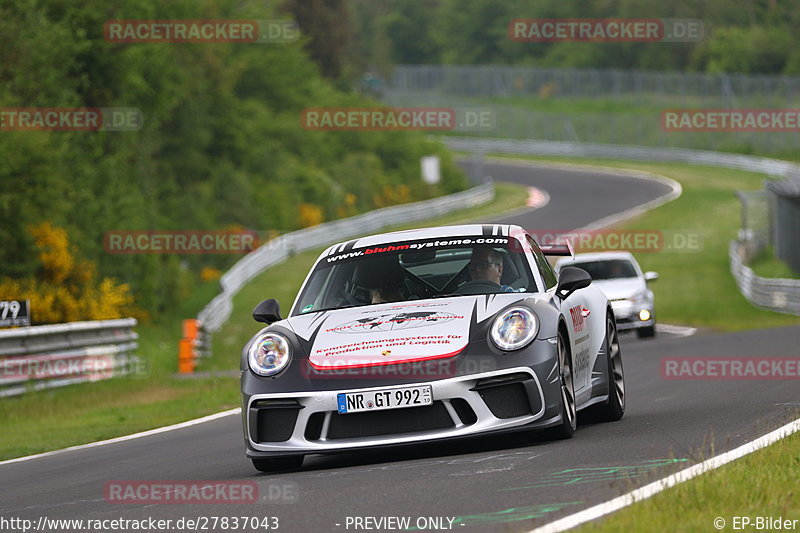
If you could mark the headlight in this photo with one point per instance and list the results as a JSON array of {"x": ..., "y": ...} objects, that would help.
[
  {"x": 639, "y": 299},
  {"x": 514, "y": 329},
  {"x": 268, "y": 354}
]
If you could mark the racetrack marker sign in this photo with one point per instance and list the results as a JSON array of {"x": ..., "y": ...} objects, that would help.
[{"x": 15, "y": 313}]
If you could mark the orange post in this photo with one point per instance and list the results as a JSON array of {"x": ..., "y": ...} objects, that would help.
[
  {"x": 187, "y": 356},
  {"x": 190, "y": 328},
  {"x": 186, "y": 360}
]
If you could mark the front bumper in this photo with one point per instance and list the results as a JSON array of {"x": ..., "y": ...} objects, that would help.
[
  {"x": 635, "y": 324},
  {"x": 626, "y": 315},
  {"x": 288, "y": 423}
]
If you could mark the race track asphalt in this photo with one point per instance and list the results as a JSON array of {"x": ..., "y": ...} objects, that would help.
[{"x": 510, "y": 483}]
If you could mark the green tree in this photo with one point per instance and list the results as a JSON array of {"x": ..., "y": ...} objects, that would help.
[{"x": 326, "y": 23}]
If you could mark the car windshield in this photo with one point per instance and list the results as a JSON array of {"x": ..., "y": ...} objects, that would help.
[
  {"x": 416, "y": 270},
  {"x": 608, "y": 269}
]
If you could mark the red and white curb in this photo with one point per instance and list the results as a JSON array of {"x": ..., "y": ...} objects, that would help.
[{"x": 537, "y": 198}]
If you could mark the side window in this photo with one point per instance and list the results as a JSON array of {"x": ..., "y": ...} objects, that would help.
[{"x": 547, "y": 272}]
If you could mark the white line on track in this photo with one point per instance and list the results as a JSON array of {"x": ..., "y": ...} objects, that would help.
[
  {"x": 677, "y": 331},
  {"x": 647, "y": 491},
  {"x": 156, "y": 431}
]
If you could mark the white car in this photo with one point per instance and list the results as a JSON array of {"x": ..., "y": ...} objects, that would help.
[{"x": 620, "y": 277}]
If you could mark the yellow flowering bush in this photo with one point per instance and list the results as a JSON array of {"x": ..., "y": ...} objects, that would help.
[
  {"x": 309, "y": 215},
  {"x": 67, "y": 289},
  {"x": 210, "y": 274}
]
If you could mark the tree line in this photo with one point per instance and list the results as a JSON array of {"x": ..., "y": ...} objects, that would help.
[
  {"x": 221, "y": 145},
  {"x": 740, "y": 36}
]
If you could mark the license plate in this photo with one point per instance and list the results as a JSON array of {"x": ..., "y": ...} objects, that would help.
[{"x": 378, "y": 400}]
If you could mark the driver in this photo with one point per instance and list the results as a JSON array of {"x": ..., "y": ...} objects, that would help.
[
  {"x": 385, "y": 294},
  {"x": 487, "y": 264}
]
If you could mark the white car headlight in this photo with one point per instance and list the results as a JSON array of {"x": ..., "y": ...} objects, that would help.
[
  {"x": 514, "y": 329},
  {"x": 268, "y": 354}
]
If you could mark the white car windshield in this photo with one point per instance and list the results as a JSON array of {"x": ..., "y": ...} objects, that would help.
[{"x": 415, "y": 270}]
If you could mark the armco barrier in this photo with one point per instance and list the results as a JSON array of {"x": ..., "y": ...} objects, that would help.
[
  {"x": 214, "y": 315},
  {"x": 43, "y": 357},
  {"x": 764, "y": 165},
  {"x": 782, "y": 295}
]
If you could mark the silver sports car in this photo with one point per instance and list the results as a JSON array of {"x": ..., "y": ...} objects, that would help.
[{"x": 428, "y": 334}]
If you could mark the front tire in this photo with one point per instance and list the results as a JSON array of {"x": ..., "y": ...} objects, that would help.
[
  {"x": 278, "y": 464},
  {"x": 569, "y": 414},
  {"x": 614, "y": 407}
]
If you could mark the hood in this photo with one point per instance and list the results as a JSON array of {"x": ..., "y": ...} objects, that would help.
[
  {"x": 615, "y": 289},
  {"x": 394, "y": 333}
]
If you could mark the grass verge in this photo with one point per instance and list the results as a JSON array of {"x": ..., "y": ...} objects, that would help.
[
  {"x": 766, "y": 265},
  {"x": 95, "y": 411},
  {"x": 761, "y": 484}
]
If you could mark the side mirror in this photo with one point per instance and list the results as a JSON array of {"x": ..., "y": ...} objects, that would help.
[
  {"x": 650, "y": 276},
  {"x": 267, "y": 311},
  {"x": 570, "y": 280}
]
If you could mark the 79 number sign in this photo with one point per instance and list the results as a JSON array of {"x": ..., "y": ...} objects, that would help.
[{"x": 15, "y": 313}]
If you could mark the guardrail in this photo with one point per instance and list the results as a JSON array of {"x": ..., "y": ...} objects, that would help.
[
  {"x": 782, "y": 295},
  {"x": 55, "y": 355},
  {"x": 763, "y": 165},
  {"x": 217, "y": 312}
]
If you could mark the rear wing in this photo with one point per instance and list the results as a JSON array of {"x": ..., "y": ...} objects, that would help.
[{"x": 561, "y": 249}]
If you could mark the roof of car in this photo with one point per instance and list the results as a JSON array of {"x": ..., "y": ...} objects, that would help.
[
  {"x": 464, "y": 230},
  {"x": 598, "y": 256}
]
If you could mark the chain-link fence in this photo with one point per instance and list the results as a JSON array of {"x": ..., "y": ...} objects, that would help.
[
  {"x": 727, "y": 90},
  {"x": 599, "y": 106}
]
